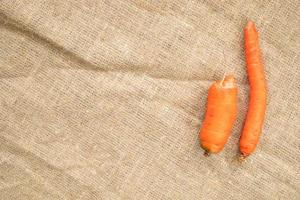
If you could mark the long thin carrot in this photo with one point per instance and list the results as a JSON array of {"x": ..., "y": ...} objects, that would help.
[
  {"x": 258, "y": 92},
  {"x": 220, "y": 115}
]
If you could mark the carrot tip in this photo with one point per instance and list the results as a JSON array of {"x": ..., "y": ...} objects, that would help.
[
  {"x": 250, "y": 22},
  {"x": 242, "y": 157},
  {"x": 206, "y": 153},
  {"x": 250, "y": 26}
]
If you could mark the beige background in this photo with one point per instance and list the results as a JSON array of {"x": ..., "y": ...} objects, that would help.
[{"x": 103, "y": 99}]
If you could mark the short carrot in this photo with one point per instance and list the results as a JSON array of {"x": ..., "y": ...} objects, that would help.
[
  {"x": 220, "y": 115},
  {"x": 258, "y": 92}
]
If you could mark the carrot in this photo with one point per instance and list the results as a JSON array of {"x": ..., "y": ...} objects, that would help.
[
  {"x": 258, "y": 92},
  {"x": 220, "y": 115}
]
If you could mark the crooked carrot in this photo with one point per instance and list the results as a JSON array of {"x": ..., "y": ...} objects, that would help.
[{"x": 258, "y": 92}]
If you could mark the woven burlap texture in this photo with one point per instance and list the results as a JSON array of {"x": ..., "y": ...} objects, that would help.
[{"x": 104, "y": 99}]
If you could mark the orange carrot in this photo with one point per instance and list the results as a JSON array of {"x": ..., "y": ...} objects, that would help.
[
  {"x": 220, "y": 115},
  {"x": 258, "y": 92}
]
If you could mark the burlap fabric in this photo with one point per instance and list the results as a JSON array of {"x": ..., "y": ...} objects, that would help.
[{"x": 103, "y": 99}]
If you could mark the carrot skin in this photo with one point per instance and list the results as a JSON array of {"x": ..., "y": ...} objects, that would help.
[
  {"x": 258, "y": 92},
  {"x": 220, "y": 115}
]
